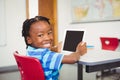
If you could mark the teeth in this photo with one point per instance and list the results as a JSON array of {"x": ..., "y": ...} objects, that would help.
[{"x": 47, "y": 45}]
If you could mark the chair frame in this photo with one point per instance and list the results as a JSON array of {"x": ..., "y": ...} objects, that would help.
[{"x": 30, "y": 67}]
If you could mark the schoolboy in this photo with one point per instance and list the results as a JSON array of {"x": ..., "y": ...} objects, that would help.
[{"x": 38, "y": 35}]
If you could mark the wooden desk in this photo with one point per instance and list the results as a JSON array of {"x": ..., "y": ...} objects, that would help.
[{"x": 97, "y": 60}]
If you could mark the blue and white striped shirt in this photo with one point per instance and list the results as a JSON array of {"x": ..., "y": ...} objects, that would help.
[{"x": 51, "y": 61}]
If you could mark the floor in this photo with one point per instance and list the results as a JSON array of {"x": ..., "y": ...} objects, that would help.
[
  {"x": 16, "y": 76},
  {"x": 10, "y": 76}
]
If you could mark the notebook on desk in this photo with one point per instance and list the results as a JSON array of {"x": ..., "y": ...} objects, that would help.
[{"x": 71, "y": 38}]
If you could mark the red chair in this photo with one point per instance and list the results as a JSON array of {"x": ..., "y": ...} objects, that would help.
[
  {"x": 109, "y": 43},
  {"x": 29, "y": 67}
]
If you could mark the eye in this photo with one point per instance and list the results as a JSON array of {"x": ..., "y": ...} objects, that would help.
[
  {"x": 40, "y": 35},
  {"x": 50, "y": 32}
]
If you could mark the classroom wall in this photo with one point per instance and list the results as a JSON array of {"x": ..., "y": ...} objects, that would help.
[
  {"x": 93, "y": 32},
  {"x": 15, "y": 14}
]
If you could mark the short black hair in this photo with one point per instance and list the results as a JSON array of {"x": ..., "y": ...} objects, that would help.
[{"x": 27, "y": 24}]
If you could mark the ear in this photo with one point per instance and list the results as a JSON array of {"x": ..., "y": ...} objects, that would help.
[{"x": 29, "y": 41}]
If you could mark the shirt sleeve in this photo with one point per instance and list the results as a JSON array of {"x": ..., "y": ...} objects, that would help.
[{"x": 53, "y": 60}]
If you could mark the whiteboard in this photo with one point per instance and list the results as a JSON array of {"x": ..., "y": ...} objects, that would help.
[{"x": 2, "y": 24}]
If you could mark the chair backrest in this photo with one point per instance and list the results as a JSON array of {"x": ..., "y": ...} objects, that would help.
[
  {"x": 109, "y": 43},
  {"x": 30, "y": 68}
]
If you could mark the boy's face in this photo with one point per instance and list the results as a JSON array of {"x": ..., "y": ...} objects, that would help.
[{"x": 41, "y": 35}]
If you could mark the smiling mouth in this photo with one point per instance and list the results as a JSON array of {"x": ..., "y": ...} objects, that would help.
[{"x": 47, "y": 45}]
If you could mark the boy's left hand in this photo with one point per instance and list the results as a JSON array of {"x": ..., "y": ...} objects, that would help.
[{"x": 57, "y": 48}]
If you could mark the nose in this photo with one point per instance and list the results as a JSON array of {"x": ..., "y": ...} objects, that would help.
[{"x": 46, "y": 37}]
